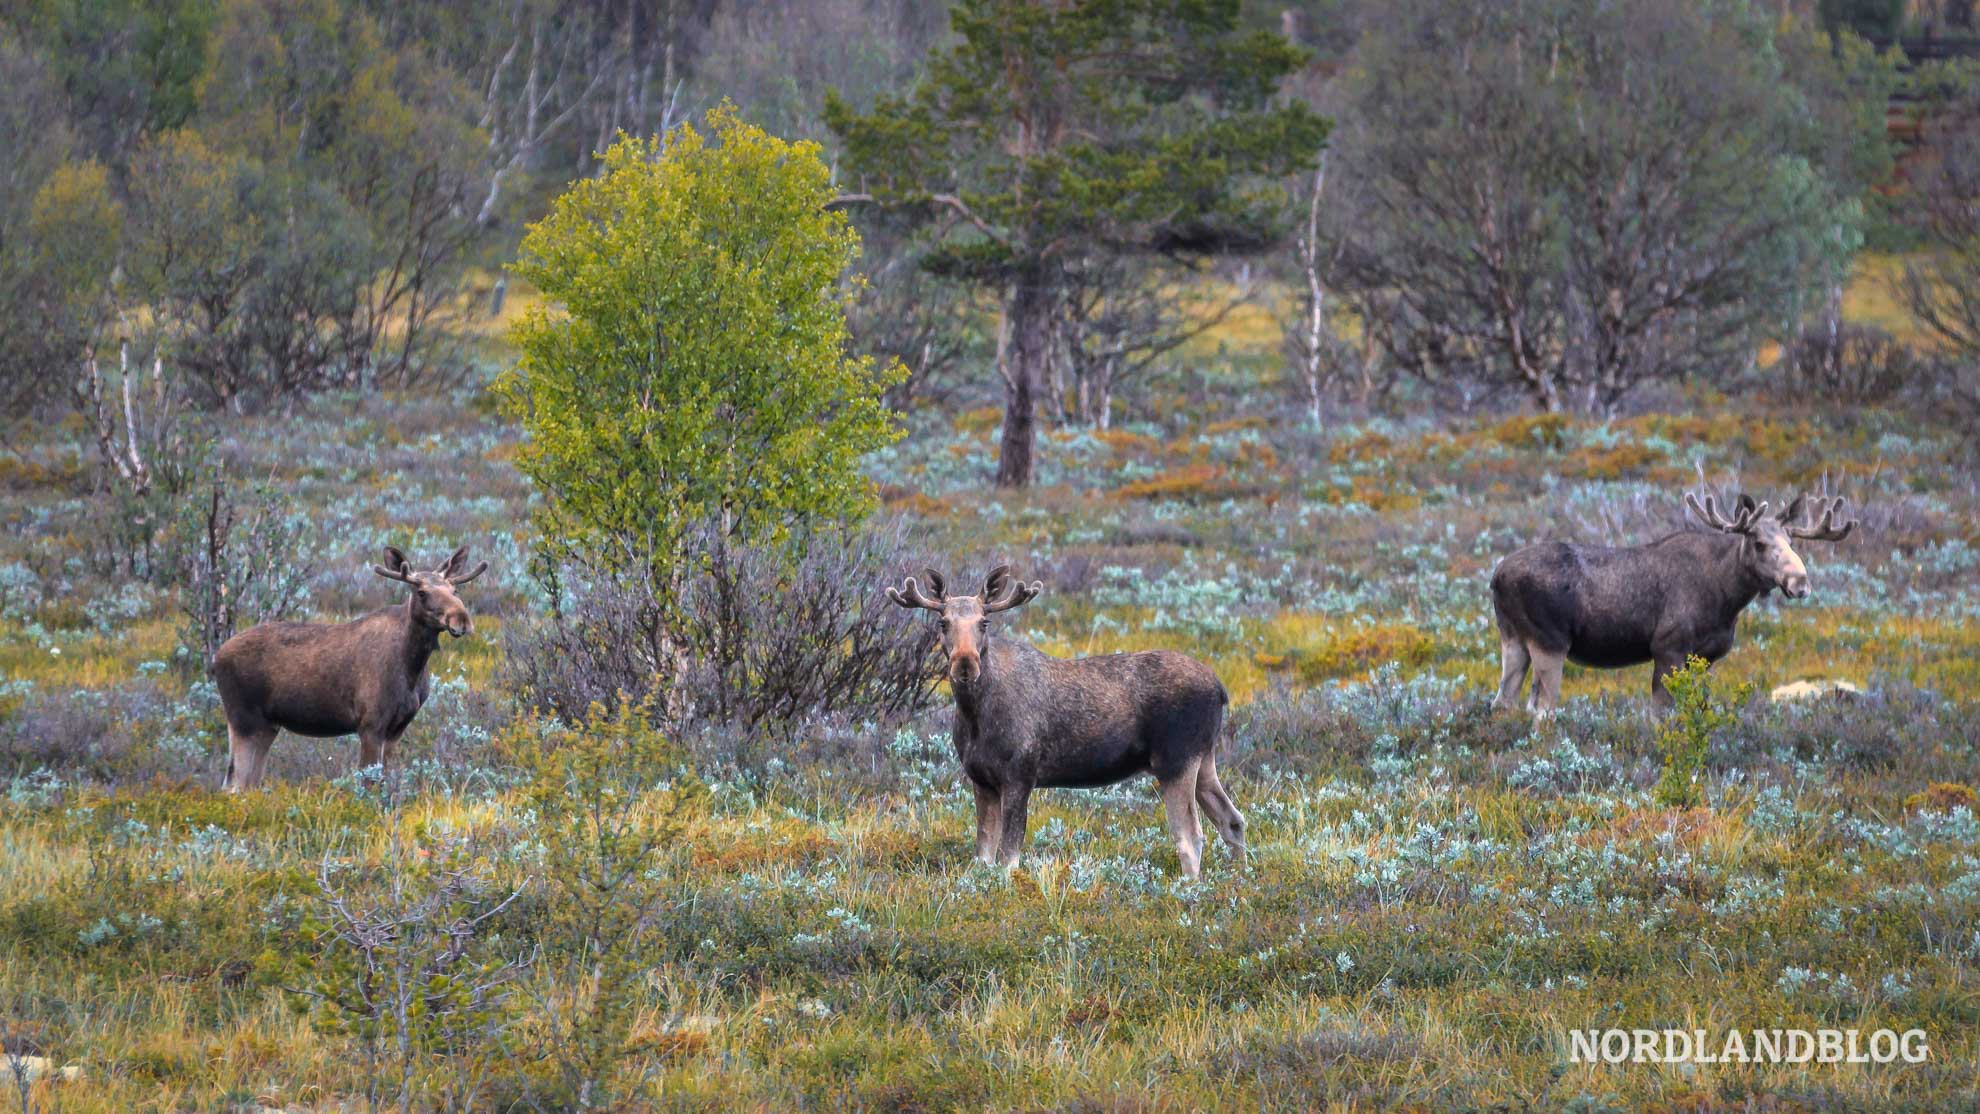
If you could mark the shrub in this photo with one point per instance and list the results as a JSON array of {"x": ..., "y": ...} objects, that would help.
[
  {"x": 1686, "y": 735},
  {"x": 1856, "y": 363},
  {"x": 610, "y": 827},
  {"x": 764, "y": 637},
  {"x": 695, "y": 367},
  {"x": 411, "y": 968},
  {"x": 690, "y": 398},
  {"x": 237, "y": 563},
  {"x": 1943, "y": 796}
]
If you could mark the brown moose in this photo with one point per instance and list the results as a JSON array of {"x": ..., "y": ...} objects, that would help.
[
  {"x": 366, "y": 677},
  {"x": 1025, "y": 720}
]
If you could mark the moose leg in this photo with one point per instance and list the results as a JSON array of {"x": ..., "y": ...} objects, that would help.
[
  {"x": 1663, "y": 666},
  {"x": 374, "y": 749},
  {"x": 1216, "y": 804},
  {"x": 1513, "y": 660},
  {"x": 1546, "y": 680},
  {"x": 989, "y": 823},
  {"x": 1014, "y": 800},
  {"x": 247, "y": 752},
  {"x": 1179, "y": 797}
]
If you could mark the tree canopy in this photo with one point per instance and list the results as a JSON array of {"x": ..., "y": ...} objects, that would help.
[
  {"x": 1052, "y": 137},
  {"x": 690, "y": 362}
]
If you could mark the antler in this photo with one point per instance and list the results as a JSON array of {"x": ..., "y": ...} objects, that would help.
[
  {"x": 1825, "y": 528},
  {"x": 909, "y": 594},
  {"x": 1708, "y": 513},
  {"x": 396, "y": 568},
  {"x": 450, "y": 568},
  {"x": 995, "y": 599}
]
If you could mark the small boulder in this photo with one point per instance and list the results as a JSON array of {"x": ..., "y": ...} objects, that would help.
[{"x": 1809, "y": 690}]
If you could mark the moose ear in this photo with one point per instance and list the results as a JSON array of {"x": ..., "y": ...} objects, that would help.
[
  {"x": 1793, "y": 511},
  {"x": 996, "y": 582},
  {"x": 935, "y": 583},
  {"x": 1746, "y": 504},
  {"x": 395, "y": 560},
  {"x": 454, "y": 563}
]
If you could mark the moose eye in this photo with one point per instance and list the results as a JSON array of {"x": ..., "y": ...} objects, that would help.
[{"x": 983, "y": 624}]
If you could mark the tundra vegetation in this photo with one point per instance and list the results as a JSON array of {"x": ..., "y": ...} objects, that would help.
[{"x": 706, "y": 843}]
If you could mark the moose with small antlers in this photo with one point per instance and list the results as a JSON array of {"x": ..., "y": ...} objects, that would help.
[
  {"x": 1674, "y": 598},
  {"x": 1026, "y": 720},
  {"x": 366, "y": 677}
]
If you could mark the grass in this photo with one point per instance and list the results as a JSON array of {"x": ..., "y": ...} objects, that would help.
[{"x": 1436, "y": 894}]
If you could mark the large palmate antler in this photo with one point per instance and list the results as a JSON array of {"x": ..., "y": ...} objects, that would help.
[
  {"x": 1825, "y": 528},
  {"x": 1744, "y": 516},
  {"x": 1001, "y": 593},
  {"x": 909, "y": 594}
]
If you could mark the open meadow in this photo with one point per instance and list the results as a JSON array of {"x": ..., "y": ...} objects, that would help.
[
  {"x": 1436, "y": 893},
  {"x": 527, "y": 533}
]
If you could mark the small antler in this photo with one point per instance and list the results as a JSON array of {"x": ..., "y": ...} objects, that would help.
[
  {"x": 1708, "y": 513},
  {"x": 396, "y": 567},
  {"x": 451, "y": 567},
  {"x": 909, "y": 594},
  {"x": 1825, "y": 528},
  {"x": 997, "y": 598}
]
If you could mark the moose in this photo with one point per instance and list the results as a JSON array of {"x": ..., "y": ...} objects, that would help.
[
  {"x": 365, "y": 677},
  {"x": 1663, "y": 602},
  {"x": 1025, "y": 720}
]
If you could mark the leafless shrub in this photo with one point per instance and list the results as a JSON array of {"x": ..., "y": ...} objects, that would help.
[
  {"x": 238, "y": 564},
  {"x": 1941, "y": 284},
  {"x": 413, "y": 975},
  {"x": 1855, "y": 363},
  {"x": 764, "y": 637}
]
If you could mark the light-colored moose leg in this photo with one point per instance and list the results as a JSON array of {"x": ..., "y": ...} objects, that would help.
[
  {"x": 1546, "y": 681},
  {"x": 989, "y": 824},
  {"x": 373, "y": 750},
  {"x": 1513, "y": 660},
  {"x": 1216, "y": 804},
  {"x": 1014, "y": 800},
  {"x": 246, "y": 755},
  {"x": 1179, "y": 798}
]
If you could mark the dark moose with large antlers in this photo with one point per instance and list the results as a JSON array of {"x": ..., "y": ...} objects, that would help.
[{"x": 1671, "y": 599}]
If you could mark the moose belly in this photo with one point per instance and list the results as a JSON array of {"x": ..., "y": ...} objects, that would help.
[
  {"x": 1609, "y": 651},
  {"x": 315, "y": 725},
  {"x": 1092, "y": 771},
  {"x": 316, "y": 718}
]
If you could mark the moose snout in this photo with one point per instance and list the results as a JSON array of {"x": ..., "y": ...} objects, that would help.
[
  {"x": 1796, "y": 587},
  {"x": 460, "y": 626},
  {"x": 964, "y": 669}
]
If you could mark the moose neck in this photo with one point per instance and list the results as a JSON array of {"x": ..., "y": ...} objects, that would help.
[
  {"x": 419, "y": 643},
  {"x": 971, "y": 697},
  {"x": 1739, "y": 585}
]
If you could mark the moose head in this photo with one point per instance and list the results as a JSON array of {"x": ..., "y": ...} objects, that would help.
[
  {"x": 434, "y": 604},
  {"x": 1765, "y": 546},
  {"x": 966, "y": 619}
]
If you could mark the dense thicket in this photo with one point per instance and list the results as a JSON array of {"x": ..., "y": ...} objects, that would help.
[{"x": 1577, "y": 199}]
